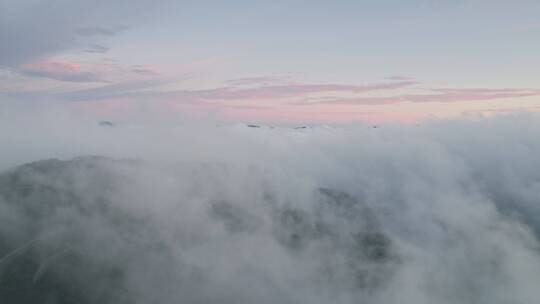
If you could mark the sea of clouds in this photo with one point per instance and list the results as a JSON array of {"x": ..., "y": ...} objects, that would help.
[{"x": 437, "y": 212}]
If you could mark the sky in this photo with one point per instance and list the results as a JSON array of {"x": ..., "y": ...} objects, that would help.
[
  {"x": 272, "y": 61},
  {"x": 128, "y": 174}
]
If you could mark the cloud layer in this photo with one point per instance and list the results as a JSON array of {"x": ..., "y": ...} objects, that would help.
[{"x": 198, "y": 213}]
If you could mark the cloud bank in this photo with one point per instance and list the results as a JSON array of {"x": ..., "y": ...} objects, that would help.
[{"x": 197, "y": 213}]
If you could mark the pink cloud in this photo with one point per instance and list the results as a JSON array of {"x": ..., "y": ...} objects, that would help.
[
  {"x": 492, "y": 112},
  {"x": 285, "y": 91},
  {"x": 270, "y": 102},
  {"x": 59, "y": 70},
  {"x": 90, "y": 72},
  {"x": 254, "y": 94},
  {"x": 443, "y": 95}
]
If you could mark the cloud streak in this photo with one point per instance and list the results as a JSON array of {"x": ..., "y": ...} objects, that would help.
[
  {"x": 442, "y": 95},
  {"x": 257, "y": 93},
  {"x": 99, "y": 31},
  {"x": 58, "y": 70}
]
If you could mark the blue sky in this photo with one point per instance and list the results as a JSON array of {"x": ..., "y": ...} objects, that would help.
[{"x": 338, "y": 60}]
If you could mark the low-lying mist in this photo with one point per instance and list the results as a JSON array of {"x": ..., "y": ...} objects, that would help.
[{"x": 440, "y": 212}]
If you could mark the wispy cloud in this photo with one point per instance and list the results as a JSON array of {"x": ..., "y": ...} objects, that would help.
[
  {"x": 146, "y": 70},
  {"x": 252, "y": 94},
  {"x": 439, "y": 95},
  {"x": 30, "y": 30},
  {"x": 265, "y": 80},
  {"x": 58, "y": 70},
  {"x": 96, "y": 48},
  {"x": 125, "y": 89},
  {"x": 400, "y": 78},
  {"x": 288, "y": 90},
  {"x": 99, "y": 31},
  {"x": 64, "y": 70}
]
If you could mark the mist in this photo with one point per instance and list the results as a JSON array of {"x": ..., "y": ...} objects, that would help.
[{"x": 192, "y": 212}]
